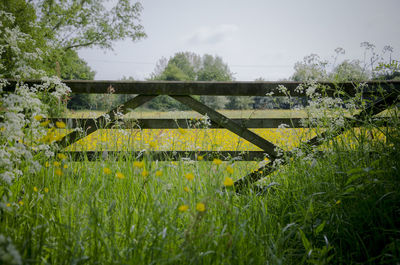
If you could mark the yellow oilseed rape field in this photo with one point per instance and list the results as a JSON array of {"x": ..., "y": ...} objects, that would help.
[{"x": 183, "y": 139}]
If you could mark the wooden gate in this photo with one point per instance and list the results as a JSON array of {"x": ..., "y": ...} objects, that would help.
[{"x": 383, "y": 93}]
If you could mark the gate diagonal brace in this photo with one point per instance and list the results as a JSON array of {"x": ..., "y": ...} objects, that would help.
[
  {"x": 92, "y": 125},
  {"x": 357, "y": 120},
  {"x": 229, "y": 124}
]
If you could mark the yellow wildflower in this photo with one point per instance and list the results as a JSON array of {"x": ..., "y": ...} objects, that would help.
[
  {"x": 153, "y": 144},
  {"x": 38, "y": 117},
  {"x": 58, "y": 172},
  {"x": 119, "y": 175},
  {"x": 183, "y": 208},
  {"x": 228, "y": 182},
  {"x": 159, "y": 173},
  {"x": 199, "y": 158},
  {"x": 35, "y": 189},
  {"x": 338, "y": 202},
  {"x": 45, "y": 123},
  {"x": 60, "y": 124},
  {"x": 47, "y": 164},
  {"x": 56, "y": 163},
  {"x": 106, "y": 171},
  {"x": 189, "y": 176},
  {"x": 46, "y": 190},
  {"x": 217, "y": 161},
  {"x": 138, "y": 164},
  {"x": 65, "y": 166},
  {"x": 182, "y": 131},
  {"x": 61, "y": 156},
  {"x": 8, "y": 204},
  {"x": 200, "y": 207},
  {"x": 21, "y": 203},
  {"x": 229, "y": 169},
  {"x": 145, "y": 173},
  {"x": 186, "y": 189}
]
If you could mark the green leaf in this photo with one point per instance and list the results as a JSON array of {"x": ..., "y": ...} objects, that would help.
[
  {"x": 306, "y": 243},
  {"x": 320, "y": 227}
]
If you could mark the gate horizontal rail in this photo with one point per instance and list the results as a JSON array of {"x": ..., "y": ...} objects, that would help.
[{"x": 213, "y": 88}]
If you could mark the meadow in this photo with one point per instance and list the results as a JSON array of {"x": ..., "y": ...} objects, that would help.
[{"x": 337, "y": 208}]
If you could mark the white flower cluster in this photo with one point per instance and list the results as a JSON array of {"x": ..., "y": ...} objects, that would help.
[
  {"x": 13, "y": 39},
  {"x": 23, "y": 111},
  {"x": 21, "y": 130},
  {"x": 8, "y": 253},
  {"x": 202, "y": 122}
]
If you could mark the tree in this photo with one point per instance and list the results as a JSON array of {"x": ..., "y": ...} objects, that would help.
[
  {"x": 188, "y": 66},
  {"x": 74, "y": 24},
  {"x": 58, "y": 28},
  {"x": 388, "y": 71},
  {"x": 214, "y": 69},
  {"x": 18, "y": 27},
  {"x": 312, "y": 68},
  {"x": 348, "y": 71}
]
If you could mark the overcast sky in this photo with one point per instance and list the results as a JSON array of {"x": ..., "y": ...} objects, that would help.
[{"x": 256, "y": 38}]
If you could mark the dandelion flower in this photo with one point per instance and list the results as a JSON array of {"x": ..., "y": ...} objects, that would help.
[
  {"x": 61, "y": 156},
  {"x": 106, "y": 171},
  {"x": 186, "y": 189},
  {"x": 229, "y": 169},
  {"x": 8, "y": 204},
  {"x": 153, "y": 145},
  {"x": 65, "y": 166},
  {"x": 183, "y": 208},
  {"x": 189, "y": 176},
  {"x": 338, "y": 202},
  {"x": 138, "y": 164},
  {"x": 38, "y": 117},
  {"x": 46, "y": 190},
  {"x": 119, "y": 175},
  {"x": 58, "y": 172},
  {"x": 56, "y": 163},
  {"x": 217, "y": 161},
  {"x": 200, "y": 207},
  {"x": 159, "y": 173},
  {"x": 21, "y": 203},
  {"x": 60, "y": 124},
  {"x": 199, "y": 158},
  {"x": 181, "y": 131},
  {"x": 228, "y": 182},
  {"x": 45, "y": 123},
  {"x": 145, "y": 173},
  {"x": 35, "y": 189}
]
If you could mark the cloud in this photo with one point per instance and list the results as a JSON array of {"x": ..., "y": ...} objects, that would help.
[{"x": 211, "y": 36}]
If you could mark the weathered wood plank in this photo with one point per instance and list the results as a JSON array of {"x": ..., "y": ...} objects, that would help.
[
  {"x": 227, "y": 123},
  {"x": 168, "y": 155},
  {"x": 92, "y": 125},
  {"x": 207, "y": 88}
]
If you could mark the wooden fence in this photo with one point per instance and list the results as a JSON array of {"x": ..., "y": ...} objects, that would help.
[{"x": 383, "y": 93}]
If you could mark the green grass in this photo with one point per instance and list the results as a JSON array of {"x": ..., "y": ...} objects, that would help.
[{"x": 341, "y": 208}]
